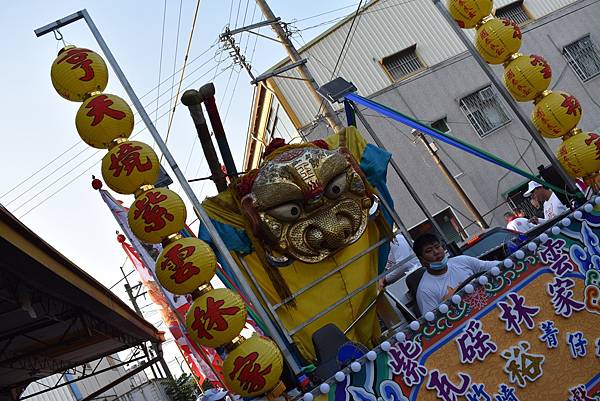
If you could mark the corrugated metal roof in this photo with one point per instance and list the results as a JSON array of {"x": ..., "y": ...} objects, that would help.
[
  {"x": 58, "y": 394},
  {"x": 383, "y": 28}
]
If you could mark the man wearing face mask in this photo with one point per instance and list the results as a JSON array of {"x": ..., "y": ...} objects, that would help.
[{"x": 443, "y": 275}]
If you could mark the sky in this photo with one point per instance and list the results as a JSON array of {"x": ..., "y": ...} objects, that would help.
[{"x": 45, "y": 168}]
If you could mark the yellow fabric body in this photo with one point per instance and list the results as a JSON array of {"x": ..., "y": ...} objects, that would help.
[{"x": 223, "y": 208}]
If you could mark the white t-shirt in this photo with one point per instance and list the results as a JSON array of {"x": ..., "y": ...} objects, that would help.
[
  {"x": 433, "y": 290},
  {"x": 520, "y": 224},
  {"x": 553, "y": 207},
  {"x": 400, "y": 250}
]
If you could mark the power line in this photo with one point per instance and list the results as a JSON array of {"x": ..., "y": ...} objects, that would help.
[
  {"x": 187, "y": 52},
  {"x": 44, "y": 167},
  {"x": 162, "y": 42},
  {"x": 176, "y": 50},
  {"x": 78, "y": 143},
  {"x": 90, "y": 167}
]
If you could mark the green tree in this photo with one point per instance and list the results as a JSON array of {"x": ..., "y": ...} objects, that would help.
[{"x": 182, "y": 389}]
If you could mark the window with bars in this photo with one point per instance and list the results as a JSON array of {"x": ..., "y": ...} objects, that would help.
[
  {"x": 400, "y": 65},
  {"x": 514, "y": 12},
  {"x": 582, "y": 56},
  {"x": 484, "y": 111}
]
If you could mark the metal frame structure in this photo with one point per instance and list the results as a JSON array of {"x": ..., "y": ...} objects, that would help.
[
  {"x": 281, "y": 336},
  {"x": 201, "y": 213},
  {"x": 84, "y": 374}
]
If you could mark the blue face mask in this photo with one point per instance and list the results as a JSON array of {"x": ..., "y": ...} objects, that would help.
[{"x": 441, "y": 265}]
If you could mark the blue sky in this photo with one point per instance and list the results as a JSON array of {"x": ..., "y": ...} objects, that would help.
[{"x": 45, "y": 169}]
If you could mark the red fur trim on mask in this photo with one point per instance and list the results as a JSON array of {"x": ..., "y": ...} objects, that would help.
[{"x": 275, "y": 144}]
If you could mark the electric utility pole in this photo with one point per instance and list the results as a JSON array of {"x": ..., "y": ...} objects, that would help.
[{"x": 330, "y": 116}]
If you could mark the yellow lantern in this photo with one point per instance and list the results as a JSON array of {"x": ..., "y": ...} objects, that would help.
[
  {"x": 497, "y": 39},
  {"x": 130, "y": 165},
  {"x": 216, "y": 317},
  {"x": 526, "y": 77},
  {"x": 185, "y": 264},
  {"x": 155, "y": 214},
  {"x": 77, "y": 72},
  {"x": 253, "y": 367},
  {"x": 556, "y": 114},
  {"x": 468, "y": 13},
  {"x": 580, "y": 154},
  {"x": 103, "y": 118}
]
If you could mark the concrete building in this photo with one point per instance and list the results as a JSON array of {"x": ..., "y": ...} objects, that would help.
[{"x": 404, "y": 55}]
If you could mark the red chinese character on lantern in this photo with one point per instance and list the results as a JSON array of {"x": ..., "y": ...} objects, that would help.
[
  {"x": 148, "y": 208},
  {"x": 571, "y": 103},
  {"x": 516, "y": 30},
  {"x": 594, "y": 138},
  {"x": 251, "y": 378},
  {"x": 212, "y": 318},
  {"x": 539, "y": 61},
  {"x": 99, "y": 106},
  {"x": 175, "y": 261},
  {"x": 128, "y": 158},
  {"x": 78, "y": 57}
]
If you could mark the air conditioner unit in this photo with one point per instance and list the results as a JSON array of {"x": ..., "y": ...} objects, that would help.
[{"x": 486, "y": 94}]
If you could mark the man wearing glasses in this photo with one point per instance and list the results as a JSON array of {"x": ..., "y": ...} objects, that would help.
[{"x": 443, "y": 275}]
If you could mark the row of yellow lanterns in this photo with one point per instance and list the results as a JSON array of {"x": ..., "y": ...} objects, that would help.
[
  {"x": 186, "y": 265},
  {"x": 527, "y": 77}
]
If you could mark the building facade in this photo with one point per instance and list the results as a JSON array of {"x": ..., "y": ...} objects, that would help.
[{"x": 404, "y": 55}]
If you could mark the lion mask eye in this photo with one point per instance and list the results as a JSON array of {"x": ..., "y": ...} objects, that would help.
[
  {"x": 286, "y": 212},
  {"x": 336, "y": 187}
]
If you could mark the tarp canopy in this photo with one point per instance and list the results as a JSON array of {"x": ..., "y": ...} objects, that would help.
[{"x": 53, "y": 315}]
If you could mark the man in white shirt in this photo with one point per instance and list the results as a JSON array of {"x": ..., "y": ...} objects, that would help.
[
  {"x": 516, "y": 223},
  {"x": 443, "y": 275},
  {"x": 553, "y": 207},
  {"x": 400, "y": 251}
]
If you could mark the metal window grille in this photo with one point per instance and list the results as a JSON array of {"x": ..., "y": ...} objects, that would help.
[
  {"x": 484, "y": 111},
  {"x": 582, "y": 56},
  {"x": 403, "y": 63},
  {"x": 514, "y": 12},
  {"x": 441, "y": 125}
]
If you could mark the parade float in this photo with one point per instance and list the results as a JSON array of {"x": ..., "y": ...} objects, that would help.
[{"x": 305, "y": 240}]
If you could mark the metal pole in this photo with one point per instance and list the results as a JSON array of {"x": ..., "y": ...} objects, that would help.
[
  {"x": 192, "y": 99},
  {"x": 455, "y": 185},
  {"x": 202, "y": 215},
  {"x": 207, "y": 94},
  {"x": 507, "y": 97},
  {"x": 398, "y": 171},
  {"x": 329, "y": 114}
]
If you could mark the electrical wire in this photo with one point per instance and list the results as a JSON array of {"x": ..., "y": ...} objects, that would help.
[
  {"x": 176, "y": 49},
  {"x": 95, "y": 163},
  {"x": 162, "y": 43},
  {"x": 187, "y": 52},
  {"x": 79, "y": 143}
]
